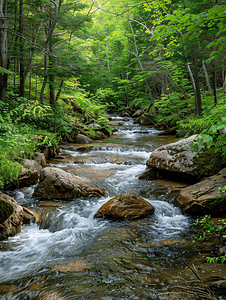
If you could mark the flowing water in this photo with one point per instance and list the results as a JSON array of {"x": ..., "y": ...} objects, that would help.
[{"x": 68, "y": 254}]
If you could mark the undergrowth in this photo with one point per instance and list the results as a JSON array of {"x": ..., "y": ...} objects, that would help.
[{"x": 27, "y": 126}]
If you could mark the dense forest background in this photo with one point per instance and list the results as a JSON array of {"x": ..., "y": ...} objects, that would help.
[{"x": 60, "y": 57}]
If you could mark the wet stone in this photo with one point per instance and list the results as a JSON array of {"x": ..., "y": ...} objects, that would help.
[{"x": 78, "y": 265}]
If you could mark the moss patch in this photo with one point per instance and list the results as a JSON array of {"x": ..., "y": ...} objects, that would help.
[{"x": 6, "y": 209}]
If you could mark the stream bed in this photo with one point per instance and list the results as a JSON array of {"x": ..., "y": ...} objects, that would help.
[{"x": 68, "y": 254}]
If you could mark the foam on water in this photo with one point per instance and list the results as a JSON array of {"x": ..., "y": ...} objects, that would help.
[
  {"x": 63, "y": 233},
  {"x": 33, "y": 248}
]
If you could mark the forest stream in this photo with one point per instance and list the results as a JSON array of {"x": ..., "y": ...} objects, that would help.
[{"x": 68, "y": 254}]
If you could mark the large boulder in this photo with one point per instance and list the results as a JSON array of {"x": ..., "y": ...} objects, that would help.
[
  {"x": 29, "y": 174},
  {"x": 125, "y": 206},
  {"x": 58, "y": 184},
  {"x": 179, "y": 161},
  {"x": 204, "y": 197},
  {"x": 11, "y": 217},
  {"x": 82, "y": 139}
]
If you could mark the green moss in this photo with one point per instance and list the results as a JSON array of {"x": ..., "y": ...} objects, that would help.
[{"x": 6, "y": 209}]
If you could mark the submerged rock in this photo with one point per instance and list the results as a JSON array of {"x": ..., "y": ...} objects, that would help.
[
  {"x": 204, "y": 197},
  {"x": 58, "y": 184},
  {"x": 11, "y": 217},
  {"x": 125, "y": 206}
]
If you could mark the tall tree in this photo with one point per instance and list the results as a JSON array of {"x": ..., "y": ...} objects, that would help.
[{"x": 3, "y": 50}]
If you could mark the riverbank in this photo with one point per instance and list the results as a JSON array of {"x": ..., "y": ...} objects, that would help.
[{"x": 72, "y": 255}]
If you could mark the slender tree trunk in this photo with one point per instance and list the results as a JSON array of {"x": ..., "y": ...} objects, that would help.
[
  {"x": 206, "y": 76},
  {"x": 198, "y": 98},
  {"x": 15, "y": 48},
  {"x": 22, "y": 69},
  {"x": 46, "y": 56},
  {"x": 138, "y": 60},
  {"x": 51, "y": 80},
  {"x": 36, "y": 87},
  {"x": 59, "y": 91},
  {"x": 3, "y": 49},
  {"x": 215, "y": 84},
  {"x": 224, "y": 84}
]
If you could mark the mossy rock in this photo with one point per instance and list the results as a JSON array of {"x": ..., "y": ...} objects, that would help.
[{"x": 6, "y": 209}]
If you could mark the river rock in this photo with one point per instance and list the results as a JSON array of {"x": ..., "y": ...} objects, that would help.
[
  {"x": 125, "y": 206},
  {"x": 82, "y": 139},
  {"x": 71, "y": 137},
  {"x": 93, "y": 126},
  {"x": 40, "y": 158},
  {"x": 178, "y": 161},
  {"x": 137, "y": 114},
  {"x": 58, "y": 184},
  {"x": 29, "y": 174},
  {"x": 218, "y": 285},
  {"x": 146, "y": 119},
  {"x": 169, "y": 131},
  {"x": 28, "y": 216},
  {"x": 115, "y": 123},
  {"x": 11, "y": 217},
  {"x": 204, "y": 197}
]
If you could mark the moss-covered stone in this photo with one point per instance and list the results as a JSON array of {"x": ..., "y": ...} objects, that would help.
[{"x": 6, "y": 209}]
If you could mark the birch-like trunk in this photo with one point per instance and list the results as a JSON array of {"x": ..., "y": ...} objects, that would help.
[
  {"x": 3, "y": 49},
  {"x": 138, "y": 60},
  {"x": 46, "y": 55}
]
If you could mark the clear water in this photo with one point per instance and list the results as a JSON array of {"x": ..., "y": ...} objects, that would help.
[{"x": 122, "y": 256}]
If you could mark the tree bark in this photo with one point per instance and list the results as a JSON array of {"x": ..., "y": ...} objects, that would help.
[
  {"x": 138, "y": 60},
  {"x": 22, "y": 69},
  {"x": 46, "y": 56},
  {"x": 3, "y": 49},
  {"x": 59, "y": 91},
  {"x": 215, "y": 84},
  {"x": 51, "y": 80},
  {"x": 206, "y": 76},
  {"x": 198, "y": 98}
]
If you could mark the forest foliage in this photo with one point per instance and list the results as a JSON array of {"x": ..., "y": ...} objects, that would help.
[{"x": 166, "y": 57}]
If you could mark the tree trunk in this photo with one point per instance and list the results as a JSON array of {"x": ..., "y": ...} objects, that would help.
[
  {"x": 215, "y": 84},
  {"x": 206, "y": 76},
  {"x": 224, "y": 84},
  {"x": 22, "y": 69},
  {"x": 138, "y": 60},
  {"x": 198, "y": 98},
  {"x": 59, "y": 91},
  {"x": 3, "y": 49},
  {"x": 46, "y": 56}
]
